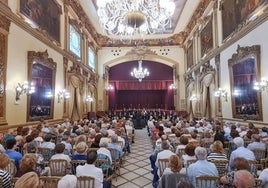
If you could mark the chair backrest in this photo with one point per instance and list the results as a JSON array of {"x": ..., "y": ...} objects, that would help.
[
  {"x": 50, "y": 181},
  {"x": 85, "y": 182},
  {"x": 75, "y": 163},
  {"x": 105, "y": 165},
  {"x": 253, "y": 167},
  {"x": 46, "y": 153},
  {"x": 162, "y": 165},
  {"x": 114, "y": 153},
  {"x": 257, "y": 183},
  {"x": 222, "y": 166},
  {"x": 259, "y": 154},
  {"x": 11, "y": 168},
  {"x": 207, "y": 181},
  {"x": 58, "y": 167},
  {"x": 264, "y": 163}
]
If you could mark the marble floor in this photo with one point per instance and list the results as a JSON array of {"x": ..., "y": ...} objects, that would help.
[{"x": 136, "y": 170}]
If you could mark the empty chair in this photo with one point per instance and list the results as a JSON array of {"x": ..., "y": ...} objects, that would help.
[
  {"x": 50, "y": 181},
  {"x": 207, "y": 181},
  {"x": 253, "y": 167},
  {"x": 75, "y": 163},
  {"x": 162, "y": 165},
  {"x": 222, "y": 166},
  {"x": 85, "y": 182},
  {"x": 58, "y": 167}
]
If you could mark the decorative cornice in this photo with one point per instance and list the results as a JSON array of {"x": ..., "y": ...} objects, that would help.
[
  {"x": 240, "y": 33},
  {"x": 4, "y": 23},
  {"x": 140, "y": 51}
]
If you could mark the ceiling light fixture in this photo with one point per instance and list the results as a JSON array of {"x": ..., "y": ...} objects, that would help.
[
  {"x": 140, "y": 73},
  {"x": 126, "y": 17}
]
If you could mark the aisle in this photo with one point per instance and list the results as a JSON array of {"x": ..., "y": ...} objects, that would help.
[{"x": 135, "y": 172}]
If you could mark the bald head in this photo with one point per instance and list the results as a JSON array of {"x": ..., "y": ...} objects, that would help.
[{"x": 243, "y": 179}]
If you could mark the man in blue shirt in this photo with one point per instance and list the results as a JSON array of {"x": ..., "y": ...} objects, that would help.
[
  {"x": 12, "y": 154},
  {"x": 201, "y": 167}
]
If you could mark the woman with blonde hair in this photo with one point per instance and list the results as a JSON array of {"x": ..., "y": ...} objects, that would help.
[
  {"x": 217, "y": 152},
  {"x": 28, "y": 180},
  {"x": 6, "y": 180},
  {"x": 171, "y": 175}
]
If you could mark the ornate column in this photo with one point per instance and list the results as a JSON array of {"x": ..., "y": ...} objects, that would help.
[{"x": 4, "y": 29}]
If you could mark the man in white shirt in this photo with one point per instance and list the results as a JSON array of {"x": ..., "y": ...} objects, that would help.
[{"x": 89, "y": 169}]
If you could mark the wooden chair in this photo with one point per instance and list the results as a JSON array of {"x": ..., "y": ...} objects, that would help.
[
  {"x": 75, "y": 163},
  {"x": 253, "y": 167},
  {"x": 85, "y": 182},
  {"x": 162, "y": 165},
  {"x": 181, "y": 152},
  {"x": 222, "y": 166},
  {"x": 58, "y": 167},
  {"x": 259, "y": 154},
  {"x": 104, "y": 165},
  {"x": 116, "y": 162},
  {"x": 50, "y": 181},
  {"x": 207, "y": 181},
  {"x": 257, "y": 183},
  {"x": 264, "y": 163},
  {"x": 11, "y": 168}
]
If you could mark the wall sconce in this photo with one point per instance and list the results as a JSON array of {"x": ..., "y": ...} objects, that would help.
[
  {"x": 89, "y": 99},
  {"x": 24, "y": 88},
  {"x": 63, "y": 95},
  {"x": 261, "y": 86},
  {"x": 173, "y": 87},
  {"x": 109, "y": 88},
  {"x": 221, "y": 93}
]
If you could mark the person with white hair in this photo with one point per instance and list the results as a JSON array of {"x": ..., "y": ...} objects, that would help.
[
  {"x": 201, "y": 167},
  {"x": 241, "y": 151},
  {"x": 243, "y": 179},
  {"x": 67, "y": 181}
]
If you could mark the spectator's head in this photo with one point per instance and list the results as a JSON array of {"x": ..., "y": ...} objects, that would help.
[
  {"x": 28, "y": 163},
  {"x": 114, "y": 138},
  {"x": 241, "y": 163},
  {"x": 10, "y": 143},
  {"x": 48, "y": 137},
  {"x": 31, "y": 147},
  {"x": 239, "y": 142},
  {"x": 4, "y": 160},
  {"x": 165, "y": 145},
  {"x": 91, "y": 156},
  {"x": 59, "y": 148},
  {"x": 184, "y": 140},
  {"x": 190, "y": 149},
  {"x": 243, "y": 179},
  {"x": 218, "y": 147},
  {"x": 200, "y": 153},
  {"x": 67, "y": 181},
  {"x": 81, "y": 147},
  {"x": 255, "y": 138},
  {"x": 28, "y": 180},
  {"x": 175, "y": 163}
]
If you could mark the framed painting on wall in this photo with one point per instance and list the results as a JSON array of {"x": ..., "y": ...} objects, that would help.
[
  {"x": 235, "y": 12},
  {"x": 244, "y": 72},
  {"x": 206, "y": 37},
  {"x": 44, "y": 14},
  {"x": 42, "y": 75}
]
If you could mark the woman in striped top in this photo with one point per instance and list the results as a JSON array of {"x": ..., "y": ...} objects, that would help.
[
  {"x": 217, "y": 152},
  {"x": 6, "y": 180}
]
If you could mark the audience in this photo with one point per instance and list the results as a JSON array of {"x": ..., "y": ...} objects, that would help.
[
  {"x": 217, "y": 152},
  {"x": 264, "y": 178},
  {"x": 67, "y": 181},
  {"x": 28, "y": 180},
  {"x": 81, "y": 150}
]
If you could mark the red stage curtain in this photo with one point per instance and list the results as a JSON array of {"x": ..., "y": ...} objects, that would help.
[{"x": 144, "y": 85}]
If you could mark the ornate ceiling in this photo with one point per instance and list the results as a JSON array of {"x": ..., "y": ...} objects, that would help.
[{"x": 187, "y": 15}]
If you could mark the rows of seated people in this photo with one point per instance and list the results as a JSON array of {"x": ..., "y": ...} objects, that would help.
[
  {"x": 230, "y": 154},
  {"x": 93, "y": 149}
]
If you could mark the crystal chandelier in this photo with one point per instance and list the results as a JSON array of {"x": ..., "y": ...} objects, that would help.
[
  {"x": 127, "y": 17},
  {"x": 140, "y": 73}
]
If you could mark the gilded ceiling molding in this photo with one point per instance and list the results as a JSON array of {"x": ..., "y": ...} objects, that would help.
[
  {"x": 140, "y": 51},
  {"x": 4, "y": 23}
]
